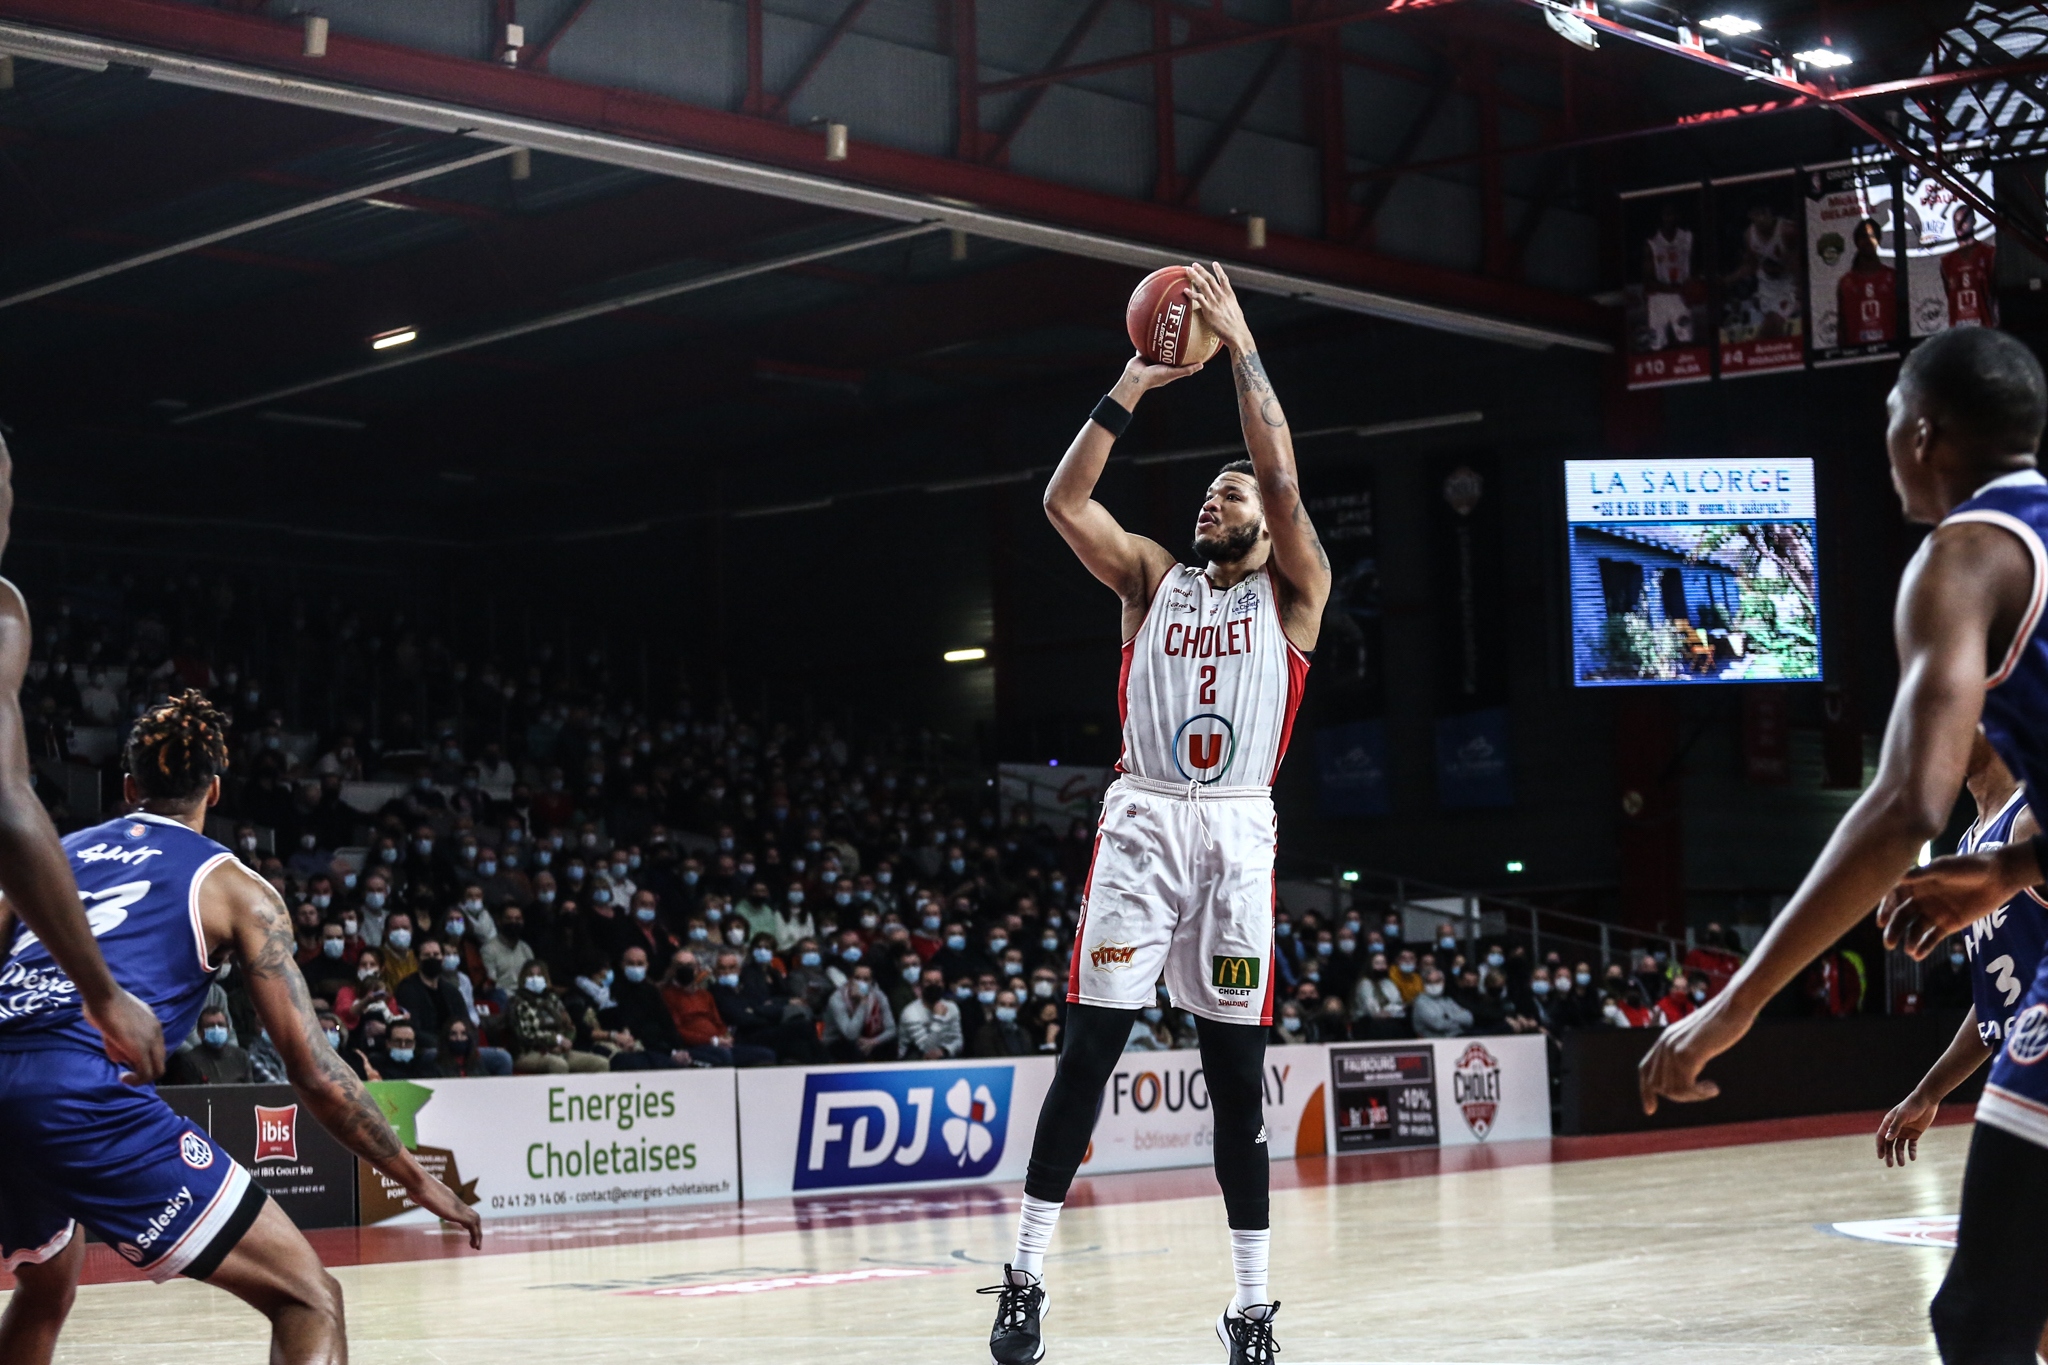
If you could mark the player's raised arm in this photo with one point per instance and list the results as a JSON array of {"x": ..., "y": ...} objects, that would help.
[
  {"x": 1298, "y": 558},
  {"x": 241, "y": 907},
  {"x": 1130, "y": 565},
  {"x": 1967, "y": 585},
  {"x": 34, "y": 873}
]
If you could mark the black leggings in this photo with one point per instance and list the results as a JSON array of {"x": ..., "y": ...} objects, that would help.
[
  {"x": 1994, "y": 1301},
  {"x": 1233, "y": 1064}
]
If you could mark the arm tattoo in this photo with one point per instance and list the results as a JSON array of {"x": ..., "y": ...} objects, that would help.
[
  {"x": 345, "y": 1109},
  {"x": 1309, "y": 529},
  {"x": 1256, "y": 389}
]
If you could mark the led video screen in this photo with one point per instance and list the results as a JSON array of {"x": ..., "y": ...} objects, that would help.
[{"x": 1692, "y": 571}]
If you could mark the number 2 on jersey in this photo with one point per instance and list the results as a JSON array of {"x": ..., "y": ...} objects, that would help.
[{"x": 1207, "y": 695}]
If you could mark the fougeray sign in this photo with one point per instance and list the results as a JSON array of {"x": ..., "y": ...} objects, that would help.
[{"x": 545, "y": 1144}]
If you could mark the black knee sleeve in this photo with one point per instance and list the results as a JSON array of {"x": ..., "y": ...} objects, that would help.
[
  {"x": 1994, "y": 1300},
  {"x": 1093, "y": 1041},
  {"x": 1234, "y": 1064}
]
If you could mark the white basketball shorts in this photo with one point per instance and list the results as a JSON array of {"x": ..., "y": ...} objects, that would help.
[
  {"x": 1670, "y": 319},
  {"x": 1181, "y": 886}
]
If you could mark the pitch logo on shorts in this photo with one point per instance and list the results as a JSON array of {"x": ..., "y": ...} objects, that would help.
[
  {"x": 2027, "y": 1042},
  {"x": 1204, "y": 748},
  {"x": 893, "y": 1127},
  {"x": 1110, "y": 957},
  {"x": 1475, "y": 1085},
  {"x": 277, "y": 1133}
]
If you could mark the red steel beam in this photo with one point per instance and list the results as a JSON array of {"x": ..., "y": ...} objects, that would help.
[
  {"x": 999, "y": 143},
  {"x": 539, "y": 60},
  {"x": 778, "y": 105},
  {"x": 1299, "y": 29},
  {"x": 966, "y": 81},
  {"x": 660, "y": 121}
]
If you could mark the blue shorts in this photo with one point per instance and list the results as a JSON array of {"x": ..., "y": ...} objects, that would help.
[
  {"x": 2016, "y": 1097},
  {"x": 80, "y": 1147}
]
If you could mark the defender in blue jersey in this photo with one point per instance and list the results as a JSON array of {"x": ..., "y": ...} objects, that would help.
[
  {"x": 2000, "y": 951},
  {"x": 77, "y": 1145},
  {"x": 1965, "y": 422}
]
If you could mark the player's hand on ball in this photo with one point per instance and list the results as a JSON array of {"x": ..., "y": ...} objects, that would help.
[
  {"x": 1948, "y": 894},
  {"x": 1898, "y": 1137},
  {"x": 133, "y": 1038},
  {"x": 1209, "y": 289},
  {"x": 1671, "y": 1069},
  {"x": 1146, "y": 375},
  {"x": 437, "y": 1199}
]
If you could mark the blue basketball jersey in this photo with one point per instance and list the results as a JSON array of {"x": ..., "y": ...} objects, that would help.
[
  {"x": 2004, "y": 948},
  {"x": 139, "y": 879},
  {"x": 2016, "y": 694}
]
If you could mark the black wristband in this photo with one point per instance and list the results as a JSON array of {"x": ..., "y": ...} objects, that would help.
[{"x": 1112, "y": 416}]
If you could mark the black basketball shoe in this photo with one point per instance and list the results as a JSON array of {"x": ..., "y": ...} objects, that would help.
[
  {"x": 1249, "y": 1334},
  {"x": 1015, "y": 1339}
]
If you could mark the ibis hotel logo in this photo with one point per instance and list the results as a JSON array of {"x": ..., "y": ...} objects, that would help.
[
  {"x": 896, "y": 1127},
  {"x": 1475, "y": 1086},
  {"x": 277, "y": 1133}
]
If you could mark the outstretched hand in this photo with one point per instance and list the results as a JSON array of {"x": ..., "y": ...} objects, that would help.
[
  {"x": 1210, "y": 291},
  {"x": 1934, "y": 901},
  {"x": 437, "y": 1199},
  {"x": 1146, "y": 374},
  {"x": 1898, "y": 1137},
  {"x": 1671, "y": 1069}
]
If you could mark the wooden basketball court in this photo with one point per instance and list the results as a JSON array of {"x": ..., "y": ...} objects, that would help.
[{"x": 1708, "y": 1246}]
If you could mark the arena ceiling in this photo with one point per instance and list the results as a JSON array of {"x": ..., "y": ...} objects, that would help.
[{"x": 627, "y": 257}]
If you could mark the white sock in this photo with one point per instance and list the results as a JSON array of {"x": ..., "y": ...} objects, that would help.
[
  {"x": 1248, "y": 1262},
  {"x": 1035, "y": 1222}
]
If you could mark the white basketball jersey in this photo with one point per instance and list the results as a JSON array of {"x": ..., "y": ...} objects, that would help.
[
  {"x": 1671, "y": 257},
  {"x": 1772, "y": 248},
  {"x": 1210, "y": 683}
]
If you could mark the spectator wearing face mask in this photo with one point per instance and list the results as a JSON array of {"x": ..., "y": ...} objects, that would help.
[
  {"x": 330, "y": 969},
  {"x": 757, "y": 1018},
  {"x": 929, "y": 1026},
  {"x": 1342, "y": 967},
  {"x": 429, "y": 995},
  {"x": 1288, "y": 1025},
  {"x": 505, "y": 956},
  {"x": 792, "y": 919},
  {"x": 336, "y": 1034},
  {"x": 373, "y": 904},
  {"x": 1149, "y": 1032},
  {"x": 399, "y": 961},
  {"x": 1434, "y": 1013},
  {"x": 215, "y": 1060},
  {"x": 904, "y": 980},
  {"x": 756, "y": 909},
  {"x": 1047, "y": 985},
  {"x": 858, "y": 1024},
  {"x": 1945, "y": 977},
  {"x": 704, "y": 1034},
  {"x": 501, "y": 877},
  {"x": 764, "y": 968},
  {"x": 401, "y": 1058},
  {"x": 644, "y": 929},
  {"x": 954, "y": 957},
  {"x": 807, "y": 982},
  {"x": 1630, "y": 1007},
  {"x": 638, "y": 1020},
  {"x": 460, "y": 1057},
  {"x": 1002, "y": 1034},
  {"x": 1377, "y": 1005},
  {"x": 464, "y": 927},
  {"x": 1406, "y": 974},
  {"x": 1687, "y": 994},
  {"x": 543, "y": 1033}
]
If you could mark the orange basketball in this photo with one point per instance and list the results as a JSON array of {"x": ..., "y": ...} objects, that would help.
[{"x": 1163, "y": 323}]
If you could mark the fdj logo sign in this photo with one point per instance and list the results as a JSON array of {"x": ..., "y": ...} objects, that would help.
[{"x": 896, "y": 1127}]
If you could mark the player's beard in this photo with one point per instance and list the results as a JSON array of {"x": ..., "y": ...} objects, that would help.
[{"x": 1228, "y": 547}]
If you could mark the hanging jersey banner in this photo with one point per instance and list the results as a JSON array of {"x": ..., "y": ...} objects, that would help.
[
  {"x": 1666, "y": 300},
  {"x": 1760, "y": 247},
  {"x": 1951, "y": 261},
  {"x": 1852, "y": 244}
]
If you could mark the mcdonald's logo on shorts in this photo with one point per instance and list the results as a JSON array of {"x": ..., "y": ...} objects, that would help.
[{"x": 1239, "y": 972}]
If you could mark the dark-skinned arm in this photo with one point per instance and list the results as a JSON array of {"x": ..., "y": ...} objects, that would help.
[
  {"x": 35, "y": 876},
  {"x": 1964, "y": 578},
  {"x": 246, "y": 911},
  {"x": 1299, "y": 561}
]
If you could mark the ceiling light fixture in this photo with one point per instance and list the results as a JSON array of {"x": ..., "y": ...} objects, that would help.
[
  {"x": 965, "y": 656},
  {"x": 1731, "y": 24},
  {"x": 1824, "y": 57},
  {"x": 401, "y": 336}
]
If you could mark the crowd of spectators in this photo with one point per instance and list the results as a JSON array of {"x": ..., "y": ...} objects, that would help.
[{"x": 567, "y": 880}]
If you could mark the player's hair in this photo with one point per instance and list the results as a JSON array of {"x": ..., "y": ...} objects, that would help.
[
  {"x": 1238, "y": 467},
  {"x": 1983, "y": 386},
  {"x": 178, "y": 747}
]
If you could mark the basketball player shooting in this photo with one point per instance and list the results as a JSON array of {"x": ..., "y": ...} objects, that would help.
[
  {"x": 168, "y": 904},
  {"x": 34, "y": 877},
  {"x": 1215, "y": 657},
  {"x": 1965, "y": 424}
]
